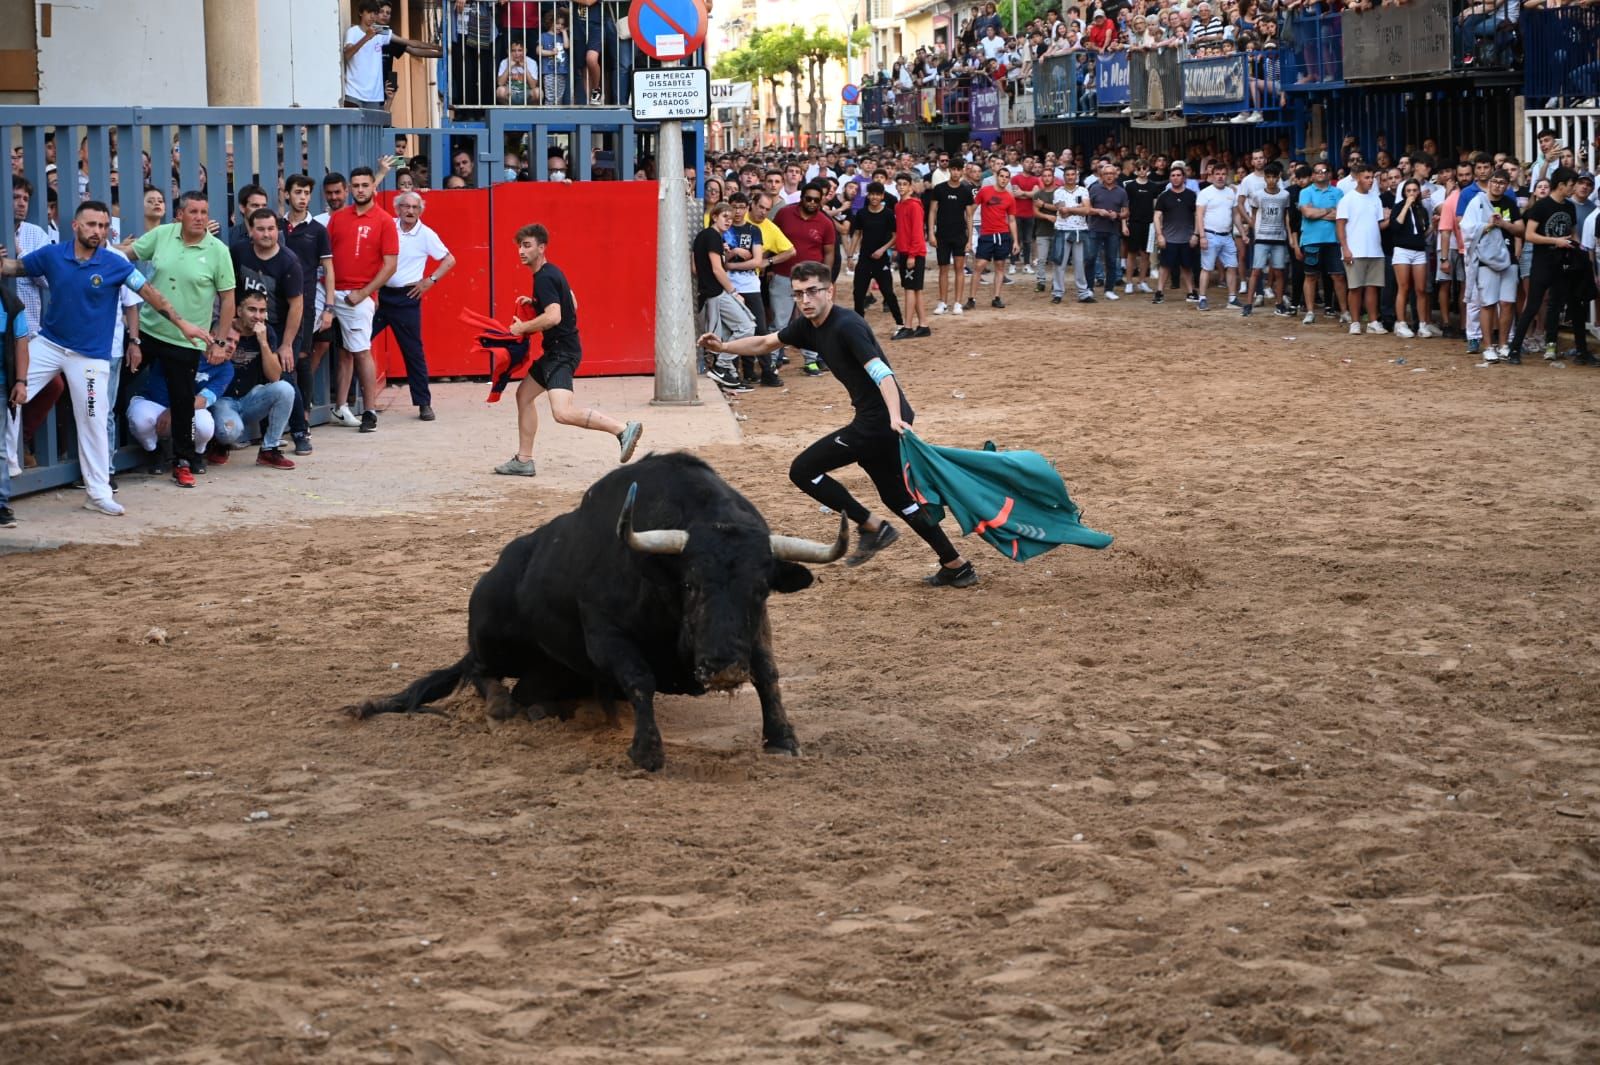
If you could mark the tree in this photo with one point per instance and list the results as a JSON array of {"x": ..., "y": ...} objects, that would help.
[{"x": 820, "y": 46}]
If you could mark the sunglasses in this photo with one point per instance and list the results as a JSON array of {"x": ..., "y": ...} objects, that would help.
[{"x": 811, "y": 199}]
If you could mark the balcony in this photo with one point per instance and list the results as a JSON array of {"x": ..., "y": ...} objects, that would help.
[{"x": 1563, "y": 50}]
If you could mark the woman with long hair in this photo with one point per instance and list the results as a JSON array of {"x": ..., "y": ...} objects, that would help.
[
  {"x": 1408, "y": 228},
  {"x": 713, "y": 197}
]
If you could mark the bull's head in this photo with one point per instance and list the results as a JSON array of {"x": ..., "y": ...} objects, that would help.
[{"x": 728, "y": 571}]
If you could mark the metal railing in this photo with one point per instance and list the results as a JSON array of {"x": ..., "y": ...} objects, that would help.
[
  {"x": 1063, "y": 87},
  {"x": 1315, "y": 46},
  {"x": 1154, "y": 85},
  {"x": 576, "y": 56},
  {"x": 1244, "y": 84},
  {"x": 1562, "y": 47},
  {"x": 98, "y": 152}
]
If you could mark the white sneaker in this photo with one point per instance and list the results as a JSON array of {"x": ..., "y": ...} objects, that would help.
[
  {"x": 953, "y": 310},
  {"x": 1403, "y": 331},
  {"x": 1027, "y": 268},
  {"x": 1491, "y": 354},
  {"x": 1309, "y": 319},
  {"x": 1355, "y": 328},
  {"x": 1243, "y": 287},
  {"x": 342, "y": 415},
  {"x": 1505, "y": 351},
  {"x": 1424, "y": 331},
  {"x": 109, "y": 507},
  {"x": 1258, "y": 299},
  {"x": 1145, "y": 288},
  {"x": 1111, "y": 295},
  {"x": 1344, "y": 317},
  {"x": 1266, "y": 290},
  {"x": 940, "y": 308},
  {"x": 1011, "y": 269},
  {"x": 1241, "y": 117},
  {"x": 1127, "y": 289},
  {"x": 1376, "y": 327}
]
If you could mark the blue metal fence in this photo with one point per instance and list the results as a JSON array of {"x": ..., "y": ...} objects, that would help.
[
  {"x": 97, "y": 152},
  {"x": 1562, "y": 53},
  {"x": 1315, "y": 47}
]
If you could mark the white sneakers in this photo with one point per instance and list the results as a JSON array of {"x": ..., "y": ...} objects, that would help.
[
  {"x": 1376, "y": 327},
  {"x": 940, "y": 308},
  {"x": 1355, "y": 328},
  {"x": 1403, "y": 331},
  {"x": 1309, "y": 319},
  {"x": 1144, "y": 287},
  {"x": 1428, "y": 329},
  {"x": 1012, "y": 268},
  {"x": 108, "y": 507},
  {"x": 953, "y": 310},
  {"x": 1127, "y": 290},
  {"x": 342, "y": 415},
  {"x": 1111, "y": 294},
  {"x": 1027, "y": 268}
]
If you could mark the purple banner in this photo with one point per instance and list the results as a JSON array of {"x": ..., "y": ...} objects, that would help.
[{"x": 985, "y": 111}]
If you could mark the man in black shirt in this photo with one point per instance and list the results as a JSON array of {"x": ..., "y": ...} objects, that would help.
[
  {"x": 1175, "y": 235},
  {"x": 557, "y": 320},
  {"x": 875, "y": 223},
  {"x": 1559, "y": 268},
  {"x": 261, "y": 265},
  {"x": 308, "y": 240},
  {"x": 1142, "y": 193},
  {"x": 871, "y": 440},
  {"x": 950, "y": 231},
  {"x": 259, "y": 390}
]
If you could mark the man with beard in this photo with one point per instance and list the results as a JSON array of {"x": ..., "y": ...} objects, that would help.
[{"x": 366, "y": 246}]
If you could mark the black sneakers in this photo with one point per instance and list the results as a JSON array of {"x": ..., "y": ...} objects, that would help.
[
  {"x": 922, "y": 331},
  {"x": 902, "y": 333},
  {"x": 871, "y": 543},
  {"x": 8, "y": 520},
  {"x": 963, "y": 576},
  {"x": 726, "y": 376},
  {"x": 369, "y": 421},
  {"x": 997, "y": 302}
]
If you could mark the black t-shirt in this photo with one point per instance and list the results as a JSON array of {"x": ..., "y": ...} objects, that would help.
[
  {"x": 950, "y": 203},
  {"x": 1555, "y": 220},
  {"x": 247, "y": 364},
  {"x": 309, "y": 242},
  {"x": 845, "y": 342},
  {"x": 1294, "y": 207},
  {"x": 1386, "y": 235},
  {"x": 280, "y": 277},
  {"x": 1177, "y": 214},
  {"x": 707, "y": 245},
  {"x": 1141, "y": 200},
  {"x": 550, "y": 286},
  {"x": 876, "y": 229}
]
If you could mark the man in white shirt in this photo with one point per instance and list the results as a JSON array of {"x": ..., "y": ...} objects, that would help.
[
  {"x": 1071, "y": 208},
  {"x": 1213, "y": 223},
  {"x": 1360, "y": 220},
  {"x": 400, "y": 298},
  {"x": 363, "y": 58},
  {"x": 30, "y": 238}
]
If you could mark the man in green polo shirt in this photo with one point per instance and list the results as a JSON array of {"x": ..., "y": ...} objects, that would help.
[{"x": 193, "y": 270}]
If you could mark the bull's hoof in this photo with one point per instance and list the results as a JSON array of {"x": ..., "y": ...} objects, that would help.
[
  {"x": 788, "y": 747},
  {"x": 650, "y": 759}
]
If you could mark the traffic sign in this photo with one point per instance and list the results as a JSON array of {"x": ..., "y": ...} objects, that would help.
[
  {"x": 667, "y": 29},
  {"x": 851, "y": 110},
  {"x": 851, "y": 93},
  {"x": 852, "y": 125},
  {"x": 671, "y": 94}
]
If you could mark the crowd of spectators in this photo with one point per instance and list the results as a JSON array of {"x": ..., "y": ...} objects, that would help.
[{"x": 1471, "y": 247}]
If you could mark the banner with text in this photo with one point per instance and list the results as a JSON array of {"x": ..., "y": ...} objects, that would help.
[
  {"x": 1397, "y": 42},
  {"x": 985, "y": 106},
  {"x": 1111, "y": 81},
  {"x": 1214, "y": 84}
]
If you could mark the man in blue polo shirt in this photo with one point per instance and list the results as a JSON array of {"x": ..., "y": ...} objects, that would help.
[
  {"x": 75, "y": 337},
  {"x": 14, "y": 346},
  {"x": 1319, "y": 241}
]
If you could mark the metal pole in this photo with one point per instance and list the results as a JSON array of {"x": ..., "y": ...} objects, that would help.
[{"x": 675, "y": 352}]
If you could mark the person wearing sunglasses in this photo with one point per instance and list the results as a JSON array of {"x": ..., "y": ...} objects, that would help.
[{"x": 871, "y": 440}]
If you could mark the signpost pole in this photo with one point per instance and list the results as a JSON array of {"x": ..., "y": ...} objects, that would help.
[{"x": 675, "y": 352}]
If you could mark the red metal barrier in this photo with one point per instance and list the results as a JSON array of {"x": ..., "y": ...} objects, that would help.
[{"x": 602, "y": 236}]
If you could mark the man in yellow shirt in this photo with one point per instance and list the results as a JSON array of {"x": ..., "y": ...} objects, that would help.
[{"x": 775, "y": 248}]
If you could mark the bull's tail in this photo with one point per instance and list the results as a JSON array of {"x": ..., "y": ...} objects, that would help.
[{"x": 422, "y": 691}]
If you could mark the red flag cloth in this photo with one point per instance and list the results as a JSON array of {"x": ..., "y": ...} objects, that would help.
[{"x": 506, "y": 352}]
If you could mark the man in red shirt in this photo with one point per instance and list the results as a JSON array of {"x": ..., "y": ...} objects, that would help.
[
  {"x": 366, "y": 246},
  {"x": 1022, "y": 187},
  {"x": 997, "y": 227},
  {"x": 1102, "y": 33},
  {"x": 814, "y": 237},
  {"x": 911, "y": 246}
]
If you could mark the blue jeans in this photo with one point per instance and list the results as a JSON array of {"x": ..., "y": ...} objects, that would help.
[
  {"x": 1107, "y": 245},
  {"x": 236, "y": 418}
]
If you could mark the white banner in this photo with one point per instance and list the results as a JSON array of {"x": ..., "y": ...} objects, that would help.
[{"x": 726, "y": 93}]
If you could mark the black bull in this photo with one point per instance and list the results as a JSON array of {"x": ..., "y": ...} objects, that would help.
[{"x": 657, "y": 582}]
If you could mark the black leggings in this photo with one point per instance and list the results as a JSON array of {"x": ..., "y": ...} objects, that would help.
[
  {"x": 878, "y": 453},
  {"x": 177, "y": 366},
  {"x": 869, "y": 270}
]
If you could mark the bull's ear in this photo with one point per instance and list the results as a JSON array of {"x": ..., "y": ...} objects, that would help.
[{"x": 791, "y": 577}]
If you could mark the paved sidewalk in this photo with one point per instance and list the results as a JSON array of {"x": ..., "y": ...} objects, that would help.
[{"x": 407, "y": 466}]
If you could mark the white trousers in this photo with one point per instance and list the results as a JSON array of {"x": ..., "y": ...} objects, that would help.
[
  {"x": 143, "y": 414},
  {"x": 89, "y": 384},
  {"x": 1474, "y": 322}
]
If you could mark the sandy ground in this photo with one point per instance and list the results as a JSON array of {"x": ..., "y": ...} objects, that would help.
[{"x": 1303, "y": 769}]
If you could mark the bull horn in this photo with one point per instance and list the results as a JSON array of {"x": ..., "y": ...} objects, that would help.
[
  {"x": 798, "y": 549},
  {"x": 651, "y": 541}
]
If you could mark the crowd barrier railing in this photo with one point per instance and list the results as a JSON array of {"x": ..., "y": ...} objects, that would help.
[
  {"x": 1562, "y": 50},
  {"x": 1243, "y": 87},
  {"x": 1154, "y": 83},
  {"x": 1315, "y": 52}
]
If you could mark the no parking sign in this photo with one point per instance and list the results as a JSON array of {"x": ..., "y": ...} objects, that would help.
[{"x": 667, "y": 29}]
